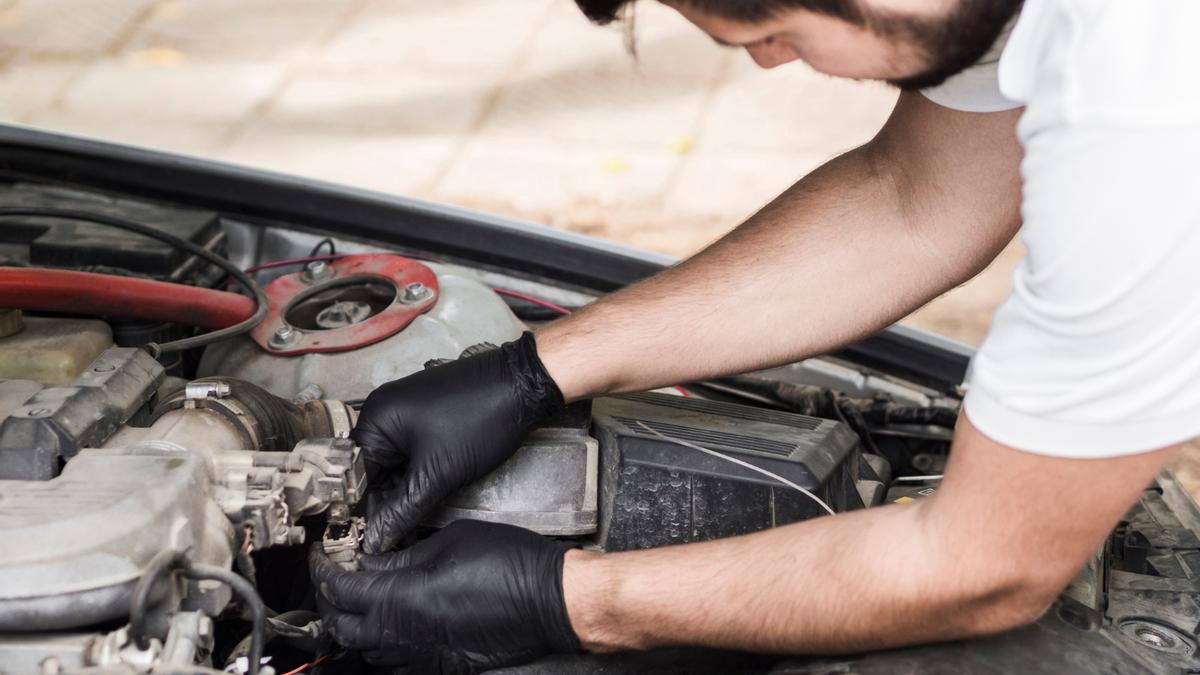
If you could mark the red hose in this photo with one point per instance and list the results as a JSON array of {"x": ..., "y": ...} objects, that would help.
[{"x": 50, "y": 290}]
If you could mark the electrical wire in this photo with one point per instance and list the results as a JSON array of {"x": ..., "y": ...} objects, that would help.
[
  {"x": 260, "y": 298},
  {"x": 317, "y": 249},
  {"x": 917, "y": 479},
  {"x": 162, "y": 563},
  {"x": 249, "y": 595},
  {"x": 742, "y": 463},
  {"x": 311, "y": 664},
  {"x": 170, "y": 560},
  {"x": 293, "y": 261},
  {"x": 529, "y": 298}
]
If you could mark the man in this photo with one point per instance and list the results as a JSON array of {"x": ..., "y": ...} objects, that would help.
[{"x": 1089, "y": 376}]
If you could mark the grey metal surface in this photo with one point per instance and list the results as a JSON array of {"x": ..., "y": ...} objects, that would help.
[
  {"x": 548, "y": 486},
  {"x": 54, "y": 423},
  {"x": 76, "y": 544},
  {"x": 467, "y": 312}
]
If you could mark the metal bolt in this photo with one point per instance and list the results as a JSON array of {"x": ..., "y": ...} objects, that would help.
[
  {"x": 317, "y": 270},
  {"x": 415, "y": 292},
  {"x": 202, "y": 390},
  {"x": 284, "y": 336},
  {"x": 310, "y": 392},
  {"x": 39, "y": 412}
]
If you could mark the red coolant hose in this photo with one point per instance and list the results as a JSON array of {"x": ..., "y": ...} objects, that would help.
[{"x": 52, "y": 290}]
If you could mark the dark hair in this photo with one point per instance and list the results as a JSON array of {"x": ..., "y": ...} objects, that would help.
[
  {"x": 951, "y": 43},
  {"x": 750, "y": 11}
]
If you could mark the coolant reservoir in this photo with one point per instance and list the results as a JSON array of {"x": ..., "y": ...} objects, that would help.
[{"x": 52, "y": 351}]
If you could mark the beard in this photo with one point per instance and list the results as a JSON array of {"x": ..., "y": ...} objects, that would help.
[{"x": 951, "y": 44}]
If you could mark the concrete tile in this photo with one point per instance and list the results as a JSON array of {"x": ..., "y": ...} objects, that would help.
[
  {"x": 651, "y": 112},
  {"x": 555, "y": 182},
  {"x": 446, "y": 36},
  {"x": 793, "y": 108},
  {"x": 666, "y": 44},
  {"x": 730, "y": 185},
  {"x": 363, "y": 102},
  {"x": 189, "y": 108},
  {"x": 231, "y": 30},
  {"x": 30, "y": 86},
  {"x": 394, "y": 163},
  {"x": 69, "y": 27}
]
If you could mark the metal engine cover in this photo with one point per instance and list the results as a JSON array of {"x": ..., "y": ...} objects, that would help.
[
  {"x": 467, "y": 313},
  {"x": 75, "y": 545}
]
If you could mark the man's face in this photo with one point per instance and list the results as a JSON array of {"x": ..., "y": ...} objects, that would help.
[{"x": 911, "y": 43}]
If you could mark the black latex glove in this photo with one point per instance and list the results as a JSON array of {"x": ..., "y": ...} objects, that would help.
[
  {"x": 471, "y": 597},
  {"x": 435, "y": 431}
]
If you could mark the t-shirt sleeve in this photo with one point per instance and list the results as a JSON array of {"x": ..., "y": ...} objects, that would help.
[
  {"x": 976, "y": 89},
  {"x": 1096, "y": 353}
]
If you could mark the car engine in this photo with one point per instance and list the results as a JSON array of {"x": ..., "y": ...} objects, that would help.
[{"x": 155, "y": 503}]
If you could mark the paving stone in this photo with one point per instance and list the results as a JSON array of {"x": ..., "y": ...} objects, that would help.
[
  {"x": 190, "y": 108},
  {"x": 793, "y": 107},
  {"x": 732, "y": 185},
  {"x": 449, "y": 36},
  {"x": 649, "y": 111},
  {"x": 548, "y": 179},
  {"x": 69, "y": 27},
  {"x": 665, "y": 43},
  {"x": 233, "y": 30},
  {"x": 399, "y": 163},
  {"x": 376, "y": 102},
  {"x": 29, "y": 86}
]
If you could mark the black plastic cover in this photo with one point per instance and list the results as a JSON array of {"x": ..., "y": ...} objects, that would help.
[
  {"x": 655, "y": 492},
  {"x": 56, "y": 242}
]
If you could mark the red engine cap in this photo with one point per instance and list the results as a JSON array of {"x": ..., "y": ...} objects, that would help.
[{"x": 344, "y": 304}]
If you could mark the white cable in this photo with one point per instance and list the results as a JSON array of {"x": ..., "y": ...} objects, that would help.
[{"x": 739, "y": 462}]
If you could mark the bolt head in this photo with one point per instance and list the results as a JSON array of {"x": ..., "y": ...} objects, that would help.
[
  {"x": 317, "y": 270},
  {"x": 415, "y": 292}
]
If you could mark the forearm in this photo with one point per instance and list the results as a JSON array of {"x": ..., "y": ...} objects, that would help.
[
  {"x": 859, "y": 581},
  {"x": 854, "y": 246},
  {"x": 970, "y": 560}
]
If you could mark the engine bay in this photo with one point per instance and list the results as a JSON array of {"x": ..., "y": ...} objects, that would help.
[{"x": 172, "y": 438}]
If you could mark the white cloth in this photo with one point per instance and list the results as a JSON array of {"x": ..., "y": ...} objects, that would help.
[{"x": 1097, "y": 351}]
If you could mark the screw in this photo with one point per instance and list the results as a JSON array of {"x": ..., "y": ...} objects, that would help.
[
  {"x": 317, "y": 270},
  {"x": 415, "y": 292},
  {"x": 284, "y": 335}
]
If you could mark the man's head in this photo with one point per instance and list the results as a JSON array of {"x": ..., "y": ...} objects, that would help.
[{"x": 910, "y": 43}]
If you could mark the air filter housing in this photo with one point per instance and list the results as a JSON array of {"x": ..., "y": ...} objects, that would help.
[{"x": 655, "y": 492}]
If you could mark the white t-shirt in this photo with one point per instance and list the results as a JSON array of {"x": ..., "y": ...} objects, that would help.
[{"x": 1097, "y": 351}]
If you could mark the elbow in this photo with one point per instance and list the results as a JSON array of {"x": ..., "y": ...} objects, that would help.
[{"x": 1007, "y": 601}]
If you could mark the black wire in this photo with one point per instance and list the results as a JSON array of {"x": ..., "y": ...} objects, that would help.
[
  {"x": 160, "y": 564},
  {"x": 317, "y": 249},
  {"x": 260, "y": 298},
  {"x": 249, "y": 595}
]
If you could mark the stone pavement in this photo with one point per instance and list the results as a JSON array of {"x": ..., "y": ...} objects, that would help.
[{"x": 514, "y": 106}]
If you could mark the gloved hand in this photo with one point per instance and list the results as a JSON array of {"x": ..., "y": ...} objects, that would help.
[
  {"x": 471, "y": 597},
  {"x": 437, "y": 430}
]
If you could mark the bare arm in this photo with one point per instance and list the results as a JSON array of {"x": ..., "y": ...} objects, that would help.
[
  {"x": 852, "y": 247},
  {"x": 1002, "y": 536}
]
